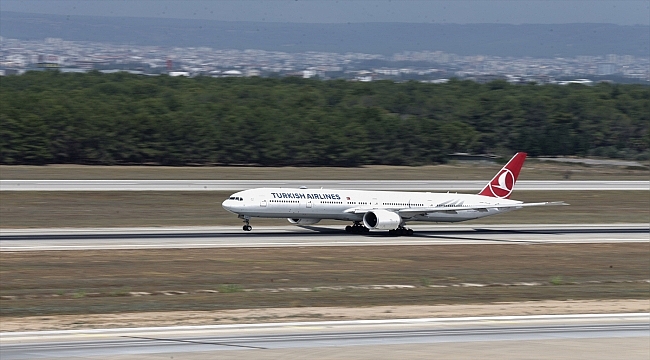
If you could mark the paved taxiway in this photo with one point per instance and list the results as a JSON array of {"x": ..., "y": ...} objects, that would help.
[
  {"x": 236, "y": 185},
  {"x": 292, "y": 236},
  {"x": 556, "y": 336}
]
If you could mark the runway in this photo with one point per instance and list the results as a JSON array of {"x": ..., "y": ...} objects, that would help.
[
  {"x": 236, "y": 185},
  {"x": 505, "y": 337},
  {"x": 292, "y": 236}
]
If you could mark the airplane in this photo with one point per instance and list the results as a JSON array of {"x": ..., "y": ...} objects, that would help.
[{"x": 380, "y": 210}]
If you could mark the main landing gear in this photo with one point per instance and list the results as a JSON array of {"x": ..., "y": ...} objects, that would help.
[
  {"x": 357, "y": 228},
  {"x": 247, "y": 226},
  {"x": 401, "y": 231}
]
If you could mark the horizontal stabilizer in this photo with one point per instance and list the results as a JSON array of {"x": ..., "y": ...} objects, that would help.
[{"x": 547, "y": 203}]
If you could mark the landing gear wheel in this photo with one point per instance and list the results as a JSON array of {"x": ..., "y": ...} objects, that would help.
[
  {"x": 401, "y": 231},
  {"x": 357, "y": 228},
  {"x": 247, "y": 226}
]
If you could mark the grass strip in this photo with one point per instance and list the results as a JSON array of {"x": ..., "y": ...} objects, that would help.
[
  {"x": 128, "y": 209},
  {"x": 84, "y": 282}
]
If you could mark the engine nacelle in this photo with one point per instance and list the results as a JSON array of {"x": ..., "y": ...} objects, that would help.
[
  {"x": 381, "y": 220},
  {"x": 303, "y": 221}
]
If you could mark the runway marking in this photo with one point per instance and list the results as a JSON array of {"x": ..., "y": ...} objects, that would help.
[{"x": 195, "y": 342}]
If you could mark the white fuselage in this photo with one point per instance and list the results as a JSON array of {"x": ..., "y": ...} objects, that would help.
[{"x": 349, "y": 204}]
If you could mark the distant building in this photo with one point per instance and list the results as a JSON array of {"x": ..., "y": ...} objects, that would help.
[
  {"x": 47, "y": 65},
  {"x": 577, "y": 81},
  {"x": 113, "y": 71},
  {"x": 72, "y": 70},
  {"x": 607, "y": 69},
  {"x": 306, "y": 74},
  {"x": 179, "y": 73},
  {"x": 483, "y": 79},
  {"x": 90, "y": 64},
  {"x": 232, "y": 73}
]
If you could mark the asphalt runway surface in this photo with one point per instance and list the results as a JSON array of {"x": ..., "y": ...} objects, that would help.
[
  {"x": 236, "y": 185},
  {"x": 293, "y": 236},
  {"x": 506, "y": 337}
]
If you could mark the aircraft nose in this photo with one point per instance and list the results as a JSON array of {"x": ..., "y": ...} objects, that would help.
[{"x": 226, "y": 205}]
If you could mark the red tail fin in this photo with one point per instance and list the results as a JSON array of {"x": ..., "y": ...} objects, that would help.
[{"x": 503, "y": 182}]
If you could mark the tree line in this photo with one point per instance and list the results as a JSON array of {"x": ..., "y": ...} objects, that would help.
[{"x": 94, "y": 118}]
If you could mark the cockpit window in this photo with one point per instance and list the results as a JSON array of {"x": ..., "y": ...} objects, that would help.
[{"x": 231, "y": 198}]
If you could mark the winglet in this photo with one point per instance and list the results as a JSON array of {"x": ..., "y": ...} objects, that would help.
[{"x": 503, "y": 182}]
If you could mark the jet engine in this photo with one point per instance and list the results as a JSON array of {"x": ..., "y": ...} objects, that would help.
[
  {"x": 303, "y": 221},
  {"x": 381, "y": 220}
]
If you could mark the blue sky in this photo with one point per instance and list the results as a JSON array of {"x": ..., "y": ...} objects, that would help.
[{"x": 622, "y": 12}]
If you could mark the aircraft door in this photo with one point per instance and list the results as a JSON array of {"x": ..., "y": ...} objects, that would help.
[
  {"x": 263, "y": 203},
  {"x": 309, "y": 204}
]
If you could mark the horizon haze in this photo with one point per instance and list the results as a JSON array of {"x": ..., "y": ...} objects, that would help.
[
  {"x": 622, "y": 12},
  {"x": 506, "y": 40}
]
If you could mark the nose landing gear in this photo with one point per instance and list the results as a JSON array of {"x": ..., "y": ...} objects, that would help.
[{"x": 247, "y": 226}]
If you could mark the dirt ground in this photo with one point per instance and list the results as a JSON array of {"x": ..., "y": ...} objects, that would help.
[{"x": 244, "y": 316}]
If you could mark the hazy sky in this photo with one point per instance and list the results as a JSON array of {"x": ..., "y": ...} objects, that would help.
[{"x": 622, "y": 12}]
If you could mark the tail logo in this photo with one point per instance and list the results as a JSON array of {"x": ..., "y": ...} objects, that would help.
[{"x": 502, "y": 184}]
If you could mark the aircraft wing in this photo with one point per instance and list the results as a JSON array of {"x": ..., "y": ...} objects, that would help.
[{"x": 408, "y": 212}]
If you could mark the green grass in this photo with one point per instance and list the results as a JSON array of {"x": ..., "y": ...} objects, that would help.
[{"x": 229, "y": 288}]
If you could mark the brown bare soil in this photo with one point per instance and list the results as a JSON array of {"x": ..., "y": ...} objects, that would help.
[
  {"x": 34, "y": 209},
  {"x": 532, "y": 170},
  {"x": 243, "y": 316},
  {"x": 125, "y": 281}
]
